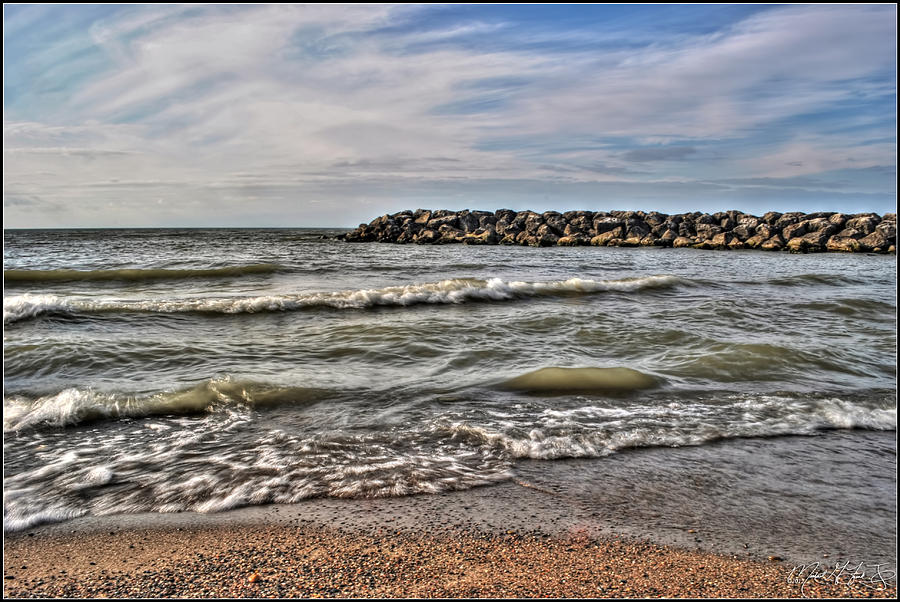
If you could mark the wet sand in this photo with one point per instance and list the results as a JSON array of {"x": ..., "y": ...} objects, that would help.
[{"x": 646, "y": 523}]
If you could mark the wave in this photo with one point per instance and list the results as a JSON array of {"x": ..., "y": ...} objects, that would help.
[
  {"x": 808, "y": 279},
  {"x": 455, "y": 291},
  {"x": 581, "y": 380},
  {"x": 180, "y": 467},
  {"x": 596, "y": 431},
  {"x": 135, "y": 274},
  {"x": 76, "y": 406}
]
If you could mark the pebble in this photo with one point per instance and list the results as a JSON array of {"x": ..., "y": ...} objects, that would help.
[{"x": 316, "y": 561}]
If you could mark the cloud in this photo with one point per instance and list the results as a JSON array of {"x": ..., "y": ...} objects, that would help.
[
  {"x": 323, "y": 98},
  {"x": 670, "y": 153}
]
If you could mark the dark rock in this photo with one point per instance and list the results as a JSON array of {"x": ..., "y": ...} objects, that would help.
[
  {"x": 602, "y": 240},
  {"x": 468, "y": 222},
  {"x": 755, "y": 241},
  {"x": 426, "y": 237},
  {"x": 668, "y": 238},
  {"x": 555, "y": 222},
  {"x": 787, "y": 219},
  {"x": 772, "y": 217},
  {"x": 721, "y": 240},
  {"x": 876, "y": 241},
  {"x": 445, "y": 220},
  {"x": 573, "y": 240},
  {"x": 775, "y": 243},
  {"x": 742, "y": 232},
  {"x": 843, "y": 244},
  {"x": 865, "y": 223},
  {"x": 603, "y": 225},
  {"x": 850, "y": 233},
  {"x": 794, "y": 231},
  {"x": 706, "y": 231}
]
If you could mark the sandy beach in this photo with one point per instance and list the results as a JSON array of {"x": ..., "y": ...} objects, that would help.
[
  {"x": 306, "y": 561},
  {"x": 466, "y": 544}
]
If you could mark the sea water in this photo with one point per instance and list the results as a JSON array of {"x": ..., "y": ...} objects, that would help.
[{"x": 203, "y": 370}]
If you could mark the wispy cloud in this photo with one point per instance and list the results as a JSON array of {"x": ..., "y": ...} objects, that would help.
[{"x": 348, "y": 105}]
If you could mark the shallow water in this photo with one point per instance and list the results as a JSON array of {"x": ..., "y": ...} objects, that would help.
[{"x": 174, "y": 370}]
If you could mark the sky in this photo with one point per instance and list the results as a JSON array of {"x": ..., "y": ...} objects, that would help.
[{"x": 330, "y": 115}]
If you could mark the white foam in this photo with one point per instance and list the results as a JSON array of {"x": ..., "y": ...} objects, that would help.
[
  {"x": 454, "y": 291},
  {"x": 22, "y": 307}
]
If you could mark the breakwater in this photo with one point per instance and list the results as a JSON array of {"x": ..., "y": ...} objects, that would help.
[{"x": 794, "y": 231}]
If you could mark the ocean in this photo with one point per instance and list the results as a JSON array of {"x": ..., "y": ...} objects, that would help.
[{"x": 180, "y": 370}]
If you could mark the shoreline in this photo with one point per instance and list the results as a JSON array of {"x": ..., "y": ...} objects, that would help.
[
  {"x": 306, "y": 559},
  {"x": 587, "y": 528}
]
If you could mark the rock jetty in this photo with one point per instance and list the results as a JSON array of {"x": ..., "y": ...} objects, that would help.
[{"x": 796, "y": 231}]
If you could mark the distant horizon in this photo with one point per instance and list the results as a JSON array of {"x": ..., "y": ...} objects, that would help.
[
  {"x": 351, "y": 227},
  {"x": 163, "y": 115}
]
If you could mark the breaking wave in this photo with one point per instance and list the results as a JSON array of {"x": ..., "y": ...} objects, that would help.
[
  {"x": 455, "y": 291},
  {"x": 76, "y": 405}
]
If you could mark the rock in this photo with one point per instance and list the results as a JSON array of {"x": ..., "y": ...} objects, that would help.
[
  {"x": 775, "y": 243},
  {"x": 636, "y": 229},
  {"x": 435, "y": 223},
  {"x": 787, "y": 219},
  {"x": 573, "y": 240},
  {"x": 771, "y": 217},
  {"x": 721, "y": 240},
  {"x": 765, "y": 230},
  {"x": 486, "y": 237},
  {"x": 468, "y": 222},
  {"x": 795, "y": 231},
  {"x": 426, "y": 237},
  {"x": 865, "y": 223},
  {"x": 754, "y": 242},
  {"x": 889, "y": 229},
  {"x": 850, "y": 233},
  {"x": 555, "y": 222},
  {"x": 838, "y": 219},
  {"x": 487, "y": 220},
  {"x": 707, "y": 231},
  {"x": 666, "y": 239},
  {"x": 546, "y": 236},
  {"x": 843, "y": 244},
  {"x": 743, "y": 232},
  {"x": 815, "y": 242},
  {"x": 602, "y": 225},
  {"x": 876, "y": 242},
  {"x": 602, "y": 240}
]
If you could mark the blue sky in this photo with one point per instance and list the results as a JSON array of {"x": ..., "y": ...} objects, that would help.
[{"x": 330, "y": 115}]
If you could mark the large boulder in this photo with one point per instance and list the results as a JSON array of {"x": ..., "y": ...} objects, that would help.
[
  {"x": 555, "y": 222},
  {"x": 793, "y": 231},
  {"x": 865, "y": 223},
  {"x": 606, "y": 224},
  {"x": 573, "y": 240},
  {"x": 602, "y": 240},
  {"x": 774, "y": 243},
  {"x": 876, "y": 241},
  {"x": 843, "y": 244}
]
